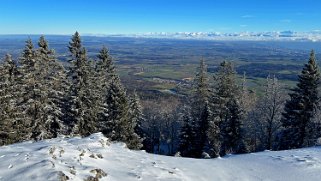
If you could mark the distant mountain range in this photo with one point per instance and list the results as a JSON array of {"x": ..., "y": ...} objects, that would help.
[{"x": 253, "y": 36}]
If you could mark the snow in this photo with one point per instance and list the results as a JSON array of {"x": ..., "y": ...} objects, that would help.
[
  {"x": 78, "y": 158},
  {"x": 314, "y": 36}
]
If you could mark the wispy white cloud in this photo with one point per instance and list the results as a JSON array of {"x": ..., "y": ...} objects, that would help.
[
  {"x": 243, "y": 26},
  {"x": 247, "y": 16}
]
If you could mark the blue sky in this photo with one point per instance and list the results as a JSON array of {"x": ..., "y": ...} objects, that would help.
[{"x": 141, "y": 16}]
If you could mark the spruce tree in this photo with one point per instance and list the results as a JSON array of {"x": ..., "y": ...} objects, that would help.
[
  {"x": 79, "y": 112},
  {"x": 55, "y": 81},
  {"x": 232, "y": 129},
  {"x": 119, "y": 116},
  {"x": 228, "y": 108},
  {"x": 8, "y": 101},
  {"x": 213, "y": 134},
  {"x": 105, "y": 66},
  {"x": 105, "y": 72},
  {"x": 201, "y": 111},
  {"x": 186, "y": 135},
  {"x": 300, "y": 109},
  {"x": 41, "y": 91},
  {"x": 135, "y": 123},
  {"x": 116, "y": 120},
  {"x": 31, "y": 92}
]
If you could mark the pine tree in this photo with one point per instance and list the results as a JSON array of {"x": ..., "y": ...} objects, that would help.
[
  {"x": 203, "y": 129},
  {"x": 136, "y": 119},
  {"x": 105, "y": 66},
  {"x": 41, "y": 82},
  {"x": 80, "y": 112},
  {"x": 299, "y": 111},
  {"x": 201, "y": 112},
  {"x": 8, "y": 101},
  {"x": 225, "y": 87},
  {"x": 54, "y": 78},
  {"x": 232, "y": 129},
  {"x": 105, "y": 73},
  {"x": 228, "y": 106},
  {"x": 187, "y": 134},
  {"x": 199, "y": 104},
  {"x": 31, "y": 92},
  {"x": 116, "y": 118},
  {"x": 213, "y": 134}
]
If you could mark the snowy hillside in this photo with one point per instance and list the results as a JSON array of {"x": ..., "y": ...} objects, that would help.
[{"x": 79, "y": 159}]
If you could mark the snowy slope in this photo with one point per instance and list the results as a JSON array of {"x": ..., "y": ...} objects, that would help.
[{"x": 78, "y": 158}]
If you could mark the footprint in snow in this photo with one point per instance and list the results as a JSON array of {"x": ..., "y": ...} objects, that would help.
[
  {"x": 2, "y": 156},
  {"x": 135, "y": 175},
  {"x": 10, "y": 166},
  {"x": 300, "y": 160},
  {"x": 277, "y": 157},
  {"x": 27, "y": 157}
]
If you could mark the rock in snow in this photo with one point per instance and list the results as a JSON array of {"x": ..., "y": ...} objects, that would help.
[{"x": 94, "y": 158}]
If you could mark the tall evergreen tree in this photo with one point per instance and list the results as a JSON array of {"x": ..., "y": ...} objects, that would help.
[
  {"x": 31, "y": 92},
  {"x": 135, "y": 123},
  {"x": 228, "y": 106},
  {"x": 117, "y": 118},
  {"x": 201, "y": 111},
  {"x": 8, "y": 101},
  {"x": 41, "y": 91},
  {"x": 79, "y": 113},
  {"x": 55, "y": 81},
  {"x": 105, "y": 72},
  {"x": 232, "y": 129},
  {"x": 105, "y": 66},
  {"x": 187, "y": 134},
  {"x": 300, "y": 109}
]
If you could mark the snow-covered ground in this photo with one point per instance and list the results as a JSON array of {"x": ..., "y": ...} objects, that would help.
[{"x": 80, "y": 158}]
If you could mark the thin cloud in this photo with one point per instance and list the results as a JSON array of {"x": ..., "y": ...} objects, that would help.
[{"x": 243, "y": 26}]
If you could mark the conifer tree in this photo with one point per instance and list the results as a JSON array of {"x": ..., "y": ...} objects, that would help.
[
  {"x": 116, "y": 117},
  {"x": 232, "y": 129},
  {"x": 79, "y": 112},
  {"x": 119, "y": 116},
  {"x": 105, "y": 72},
  {"x": 227, "y": 102},
  {"x": 135, "y": 123},
  {"x": 31, "y": 92},
  {"x": 187, "y": 134},
  {"x": 105, "y": 66},
  {"x": 300, "y": 109},
  {"x": 55, "y": 81},
  {"x": 8, "y": 101},
  {"x": 213, "y": 134},
  {"x": 41, "y": 91},
  {"x": 201, "y": 111}
]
